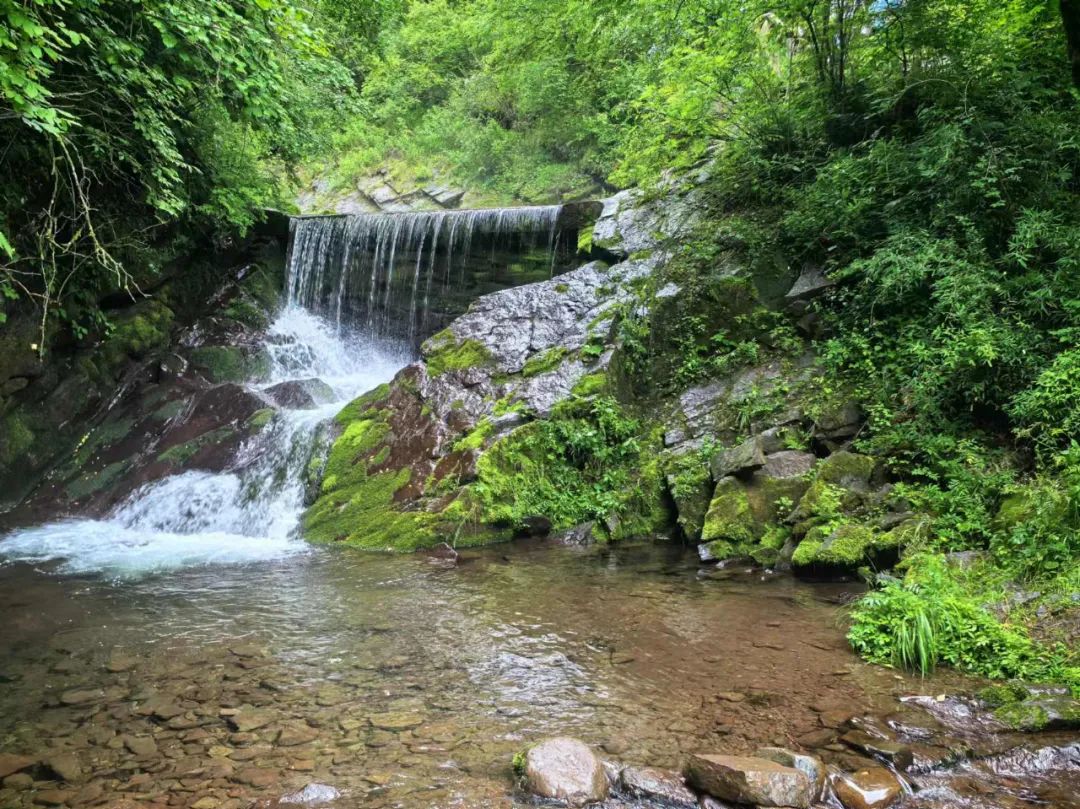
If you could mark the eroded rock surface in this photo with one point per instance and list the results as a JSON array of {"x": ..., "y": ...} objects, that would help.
[{"x": 567, "y": 770}]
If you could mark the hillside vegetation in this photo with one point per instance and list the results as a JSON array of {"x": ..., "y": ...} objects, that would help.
[{"x": 923, "y": 154}]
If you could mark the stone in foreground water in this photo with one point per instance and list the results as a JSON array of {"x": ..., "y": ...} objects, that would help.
[
  {"x": 872, "y": 788},
  {"x": 312, "y": 795},
  {"x": 750, "y": 780},
  {"x": 663, "y": 786},
  {"x": 565, "y": 769}
]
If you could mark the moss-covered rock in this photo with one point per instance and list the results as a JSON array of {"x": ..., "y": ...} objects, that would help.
[
  {"x": 444, "y": 353},
  {"x": 730, "y": 517},
  {"x": 846, "y": 546},
  {"x": 691, "y": 490},
  {"x": 230, "y": 363}
]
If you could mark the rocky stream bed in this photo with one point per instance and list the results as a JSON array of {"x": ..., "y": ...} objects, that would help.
[{"x": 413, "y": 682}]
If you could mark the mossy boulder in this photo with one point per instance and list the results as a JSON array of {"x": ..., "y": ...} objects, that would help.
[
  {"x": 221, "y": 364},
  {"x": 847, "y": 470},
  {"x": 444, "y": 353},
  {"x": 691, "y": 490},
  {"x": 730, "y": 517},
  {"x": 846, "y": 546}
]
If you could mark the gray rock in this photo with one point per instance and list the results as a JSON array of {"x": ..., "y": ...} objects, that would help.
[
  {"x": 750, "y": 780},
  {"x": 668, "y": 290},
  {"x": 810, "y": 283},
  {"x": 660, "y": 786},
  {"x": 301, "y": 394},
  {"x": 578, "y": 535},
  {"x": 788, "y": 464},
  {"x": 811, "y": 767},
  {"x": 747, "y": 457},
  {"x": 629, "y": 224},
  {"x": 567, "y": 770},
  {"x": 840, "y": 422}
]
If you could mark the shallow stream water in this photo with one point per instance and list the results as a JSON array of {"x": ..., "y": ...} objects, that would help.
[
  {"x": 192, "y": 651},
  {"x": 404, "y": 682}
]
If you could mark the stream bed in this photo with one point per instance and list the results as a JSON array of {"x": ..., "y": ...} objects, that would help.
[{"x": 411, "y": 682}]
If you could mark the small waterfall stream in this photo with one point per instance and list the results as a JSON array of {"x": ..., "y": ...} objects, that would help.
[
  {"x": 382, "y": 273},
  {"x": 361, "y": 291},
  {"x": 247, "y": 513}
]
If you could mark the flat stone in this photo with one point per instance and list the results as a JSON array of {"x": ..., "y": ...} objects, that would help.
[
  {"x": 12, "y": 763},
  {"x": 788, "y": 464},
  {"x": 141, "y": 745},
  {"x": 294, "y": 735},
  {"x": 53, "y": 797},
  {"x": 899, "y": 755},
  {"x": 810, "y": 283},
  {"x": 249, "y": 719},
  {"x": 82, "y": 696},
  {"x": 750, "y": 780},
  {"x": 566, "y": 770},
  {"x": 119, "y": 662},
  {"x": 746, "y": 457},
  {"x": 206, "y": 803},
  {"x": 18, "y": 781},
  {"x": 662, "y": 786},
  {"x": 870, "y": 788},
  {"x": 66, "y": 767},
  {"x": 257, "y": 777},
  {"x": 396, "y": 721}
]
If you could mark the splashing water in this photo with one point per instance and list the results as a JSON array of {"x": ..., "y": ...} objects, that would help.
[{"x": 248, "y": 513}]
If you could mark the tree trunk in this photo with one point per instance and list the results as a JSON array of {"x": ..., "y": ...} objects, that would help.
[{"x": 1070, "y": 16}]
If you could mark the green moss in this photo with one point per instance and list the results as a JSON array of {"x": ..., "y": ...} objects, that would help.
[
  {"x": 443, "y": 353},
  {"x": 16, "y": 438},
  {"x": 221, "y": 363},
  {"x": 476, "y": 438},
  {"x": 106, "y": 435},
  {"x": 562, "y": 289},
  {"x": 543, "y": 362},
  {"x": 1001, "y": 694},
  {"x": 847, "y": 470},
  {"x": 182, "y": 453},
  {"x": 86, "y": 485},
  {"x": 360, "y": 406},
  {"x": 261, "y": 418},
  {"x": 730, "y": 517},
  {"x": 1023, "y": 716},
  {"x": 361, "y": 513},
  {"x": 848, "y": 545},
  {"x": 170, "y": 410},
  {"x": 590, "y": 385}
]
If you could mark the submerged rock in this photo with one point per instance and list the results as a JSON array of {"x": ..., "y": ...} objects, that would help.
[
  {"x": 750, "y": 780},
  {"x": 565, "y": 769},
  {"x": 11, "y": 763},
  {"x": 300, "y": 394},
  {"x": 311, "y": 795}
]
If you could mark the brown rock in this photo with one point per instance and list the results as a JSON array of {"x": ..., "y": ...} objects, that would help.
[
  {"x": 82, "y": 696},
  {"x": 53, "y": 797},
  {"x": 11, "y": 763},
  {"x": 567, "y": 770},
  {"x": 18, "y": 781},
  {"x": 750, "y": 780},
  {"x": 870, "y": 788},
  {"x": 66, "y": 767}
]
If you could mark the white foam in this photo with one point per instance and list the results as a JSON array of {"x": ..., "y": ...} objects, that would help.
[{"x": 248, "y": 513}]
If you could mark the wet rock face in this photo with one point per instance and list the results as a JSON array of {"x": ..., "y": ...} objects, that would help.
[
  {"x": 750, "y": 780},
  {"x": 300, "y": 394},
  {"x": 567, "y": 770},
  {"x": 664, "y": 787}
]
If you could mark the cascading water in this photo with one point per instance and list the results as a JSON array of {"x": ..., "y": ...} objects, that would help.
[
  {"x": 247, "y": 513},
  {"x": 383, "y": 272},
  {"x": 361, "y": 291}
]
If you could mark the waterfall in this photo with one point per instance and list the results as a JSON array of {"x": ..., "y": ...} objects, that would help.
[
  {"x": 250, "y": 511},
  {"x": 381, "y": 273}
]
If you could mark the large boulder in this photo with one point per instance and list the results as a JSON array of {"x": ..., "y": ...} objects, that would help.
[
  {"x": 740, "y": 460},
  {"x": 754, "y": 780},
  {"x": 565, "y": 769}
]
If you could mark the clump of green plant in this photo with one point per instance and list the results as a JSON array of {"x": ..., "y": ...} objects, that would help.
[{"x": 930, "y": 618}]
